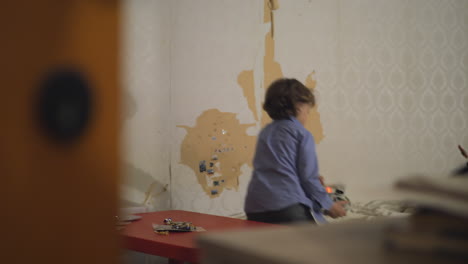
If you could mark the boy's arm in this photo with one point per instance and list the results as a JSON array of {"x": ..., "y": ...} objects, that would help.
[{"x": 308, "y": 173}]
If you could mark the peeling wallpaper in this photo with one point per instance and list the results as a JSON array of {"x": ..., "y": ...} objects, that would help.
[{"x": 391, "y": 79}]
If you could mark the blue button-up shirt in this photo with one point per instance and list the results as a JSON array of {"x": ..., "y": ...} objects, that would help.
[{"x": 286, "y": 170}]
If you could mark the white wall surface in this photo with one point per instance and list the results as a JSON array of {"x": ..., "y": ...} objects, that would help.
[{"x": 146, "y": 77}]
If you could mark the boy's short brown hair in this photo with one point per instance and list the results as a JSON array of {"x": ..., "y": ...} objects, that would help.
[{"x": 282, "y": 97}]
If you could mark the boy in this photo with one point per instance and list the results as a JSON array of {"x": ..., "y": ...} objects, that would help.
[{"x": 285, "y": 184}]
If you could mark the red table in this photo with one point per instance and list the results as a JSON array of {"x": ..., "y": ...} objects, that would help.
[{"x": 178, "y": 247}]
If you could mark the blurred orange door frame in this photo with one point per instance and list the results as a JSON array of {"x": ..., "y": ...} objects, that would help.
[{"x": 58, "y": 200}]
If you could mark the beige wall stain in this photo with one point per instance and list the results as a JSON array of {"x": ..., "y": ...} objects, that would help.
[
  {"x": 246, "y": 82},
  {"x": 220, "y": 142},
  {"x": 272, "y": 71},
  {"x": 218, "y": 145},
  {"x": 313, "y": 123}
]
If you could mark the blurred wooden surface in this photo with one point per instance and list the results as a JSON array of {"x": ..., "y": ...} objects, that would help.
[
  {"x": 353, "y": 242},
  {"x": 57, "y": 201}
]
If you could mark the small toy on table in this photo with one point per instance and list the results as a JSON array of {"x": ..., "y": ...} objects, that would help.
[
  {"x": 171, "y": 226},
  {"x": 337, "y": 192}
]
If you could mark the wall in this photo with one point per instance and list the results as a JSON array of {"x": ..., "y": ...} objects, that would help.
[
  {"x": 211, "y": 46},
  {"x": 390, "y": 77},
  {"x": 146, "y": 78}
]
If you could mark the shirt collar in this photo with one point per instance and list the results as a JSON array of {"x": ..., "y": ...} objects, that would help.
[{"x": 295, "y": 121}]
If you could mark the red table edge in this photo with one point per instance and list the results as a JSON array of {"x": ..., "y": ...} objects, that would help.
[{"x": 181, "y": 253}]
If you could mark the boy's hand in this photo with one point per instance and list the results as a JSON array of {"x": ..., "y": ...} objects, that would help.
[{"x": 337, "y": 209}]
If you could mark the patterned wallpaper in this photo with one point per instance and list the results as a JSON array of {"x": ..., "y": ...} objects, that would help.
[{"x": 399, "y": 86}]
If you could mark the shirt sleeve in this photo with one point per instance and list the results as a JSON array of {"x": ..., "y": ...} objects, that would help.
[{"x": 308, "y": 172}]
